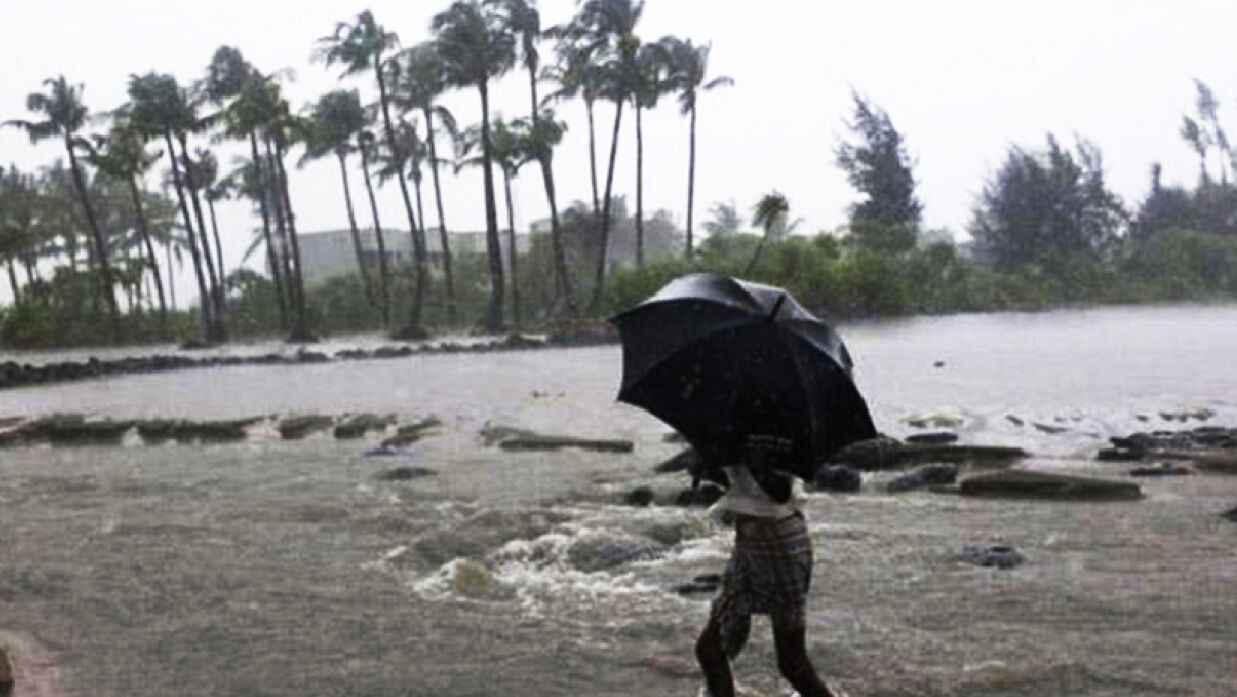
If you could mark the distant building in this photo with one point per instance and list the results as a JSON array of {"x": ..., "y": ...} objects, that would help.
[{"x": 328, "y": 254}]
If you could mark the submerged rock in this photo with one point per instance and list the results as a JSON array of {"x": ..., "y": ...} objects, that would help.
[
  {"x": 403, "y": 474},
  {"x": 1000, "y": 556},
  {"x": 537, "y": 442},
  {"x": 837, "y": 478},
  {"x": 301, "y": 426},
  {"x": 933, "y": 437},
  {"x": 73, "y": 431},
  {"x": 887, "y": 453},
  {"x": 923, "y": 476},
  {"x": 598, "y": 551},
  {"x": 358, "y": 425},
  {"x": 1047, "y": 485},
  {"x": 640, "y": 496},
  {"x": 1164, "y": 469}
]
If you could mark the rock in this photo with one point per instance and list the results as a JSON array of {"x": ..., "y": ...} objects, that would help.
[
  {"x": 887, "y": 453},
  {"x": 301, "y": 426},
  {"x": 1014, "y": 420},
  {"x": 1119, "y": 455},
  {"x": 837, "y": 478},
  {"x": 543, "y": 443},
  {"x": 392, "y": 351},
  {"x": 1163, "y": 469},
  {"x": 1048, "y": 428},
  {"x": 402, "y": 474},
  {"x": 682, "y": 462},
  {"x": 155, "y": 431},
  {"x": 352, "y": 354},
  {"x": 640, "y": 496},
  {"x": 72, "y": 432},
  {"x": 1000, "y": 556},
  {"x": 925, "y": 475},
  {"x": 214, "y": 431},
  {"x": 358, "y": 425},
  {"x": 496, "y": 434},
  {"x": 471, "y": 578},
  {"x": 938, "y": 364},
  {"x": 303, "y": 356},
  {"x": 1047, "y": 485},
  {"x": 411, "y": 433},
  {"x": 934, "y": 421},
  {"x": 1217, "y": 462},
  {"x": 933, "y": 437},
  {"x": 704, "y": 495},
  {"x": 595, "y": 551}
]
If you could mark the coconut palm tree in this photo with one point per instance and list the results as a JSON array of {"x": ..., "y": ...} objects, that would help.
[
  {"x": 770, "y": 213},
  {"x": 648, "y": 86},
  {"x": 256, "y": 104},
  {"x": 206, "y": 176},
  {"x": 360, "y": 47},
  {"x": 476, "y": 45},
  {"x": 689, "y": 70},
  {"x": 406, "y": 161},
  {"x": 576, "y": 74},
  {"x": 122, "y": 155},
  {"x": 334, "y": 122},
  {"x": 609, "y": 27},
  {"x": 63, "y": 115},
  {"x": 367, "y": 145},
  {"x": 157, "y": 108},
  {"x": 282, "y": 132},
  {"x": 420, "y": 80},
  {"x": 525, "y": 22},
  {"x": 508, "y": 142}
]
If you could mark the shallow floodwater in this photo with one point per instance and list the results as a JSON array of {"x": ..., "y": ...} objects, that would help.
[{"x": 285, "y": 567}]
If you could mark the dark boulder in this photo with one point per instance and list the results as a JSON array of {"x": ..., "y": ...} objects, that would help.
[
  {"x": 1119, "y": 455},
  {"x": 837, "y": 478},
  {"x": 1047, "y": 485},
  {"x": 887, "y": 453},
  {"x": 402, "y": 474},
  {"x": 1164, "y": 469},
  {"x": 359, "y": 424},
  {"x": 300, "y": 426},
  {"x": 923, "y": 476},
  {"x": 1000, "y": 556},
  {"x": 937, "y": 437},
  {"x": 641, "y": 496},
  {"x": 304, "y": 356}
]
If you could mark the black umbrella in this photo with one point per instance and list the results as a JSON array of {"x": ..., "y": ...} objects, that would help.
[{"x": 734, "y": 365}]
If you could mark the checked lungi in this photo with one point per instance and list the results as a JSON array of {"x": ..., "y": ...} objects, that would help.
[{"x": 769, "y": 573}]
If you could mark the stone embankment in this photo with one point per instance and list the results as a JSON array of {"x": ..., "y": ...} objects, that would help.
[{"x": 14, "y": 374}]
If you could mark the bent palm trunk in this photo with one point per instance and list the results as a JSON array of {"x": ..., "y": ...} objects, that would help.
[
  {"x": 452, "y": 311},
  {"x": 356, "y": 233},
  {"x": 600, "y": 278}
]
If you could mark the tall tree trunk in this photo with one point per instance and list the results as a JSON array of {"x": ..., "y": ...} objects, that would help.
[
  {"x": 100, "y": 246},
  {"x": 150, "y": 251},
  {"x": 416, "y": 185},
  {"x": 356, "y": 233},
  {"x": 223, "y": 276},
  {"x": 301, "y": 331},
  {"x": 592, "y": 155},
  {"x": 207, "y": 308},
  {"x": 691, "y": 182},
  {"x": 281, "y": 228},
  {"x": 494, "y": 310},
  {"x": 600, "y": 279},
  {"x": 167, "y": 249},
  {"x": 13, "y": 281},
  {"x": 639, "y": 188},
  {"x": 562, "y": 282},
  {"x": 216, "y": 331},
  {"x": 272, "y": 256},
  {"x": 512, "y": 251},
  {"x": 383, "y": 276},
  {"x": 418, "y": 241},
  {"x": 444, "y": 239}
]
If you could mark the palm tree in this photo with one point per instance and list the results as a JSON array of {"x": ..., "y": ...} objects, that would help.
[
  {"x": 64, "y": 114},
  {"x": 206, "y": 176},
  {"x": 648, "y": 86},
  {"x": 334, "y": 121},
  {"x": 689, "y": 68},
  {"x": 255, "y": 105},
  {"x": 525, "y": 22},
  {"x": 282, "y": 132},
  {"x": 406, "y": 161},
  {"x": 609, "y": 26},
  {"x": 157, "y": 108},
  {"x": 507, "y": 149},
  {"x": 475, "y": 46},
  {"x": 770, "y": 213},
  {"x": 577, "y": 74},
  {"x": 122, "y": 155},
  {"x": 367, "y": 145},
  {"x": 360, "y": 47},
  {"x": 421, "y": 79}
]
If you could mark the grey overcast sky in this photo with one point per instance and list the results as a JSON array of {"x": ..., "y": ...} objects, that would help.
[{"x": 961, "y": 79}]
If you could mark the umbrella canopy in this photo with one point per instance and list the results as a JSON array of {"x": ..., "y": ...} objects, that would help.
[{"x": 735, "y": 365}]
